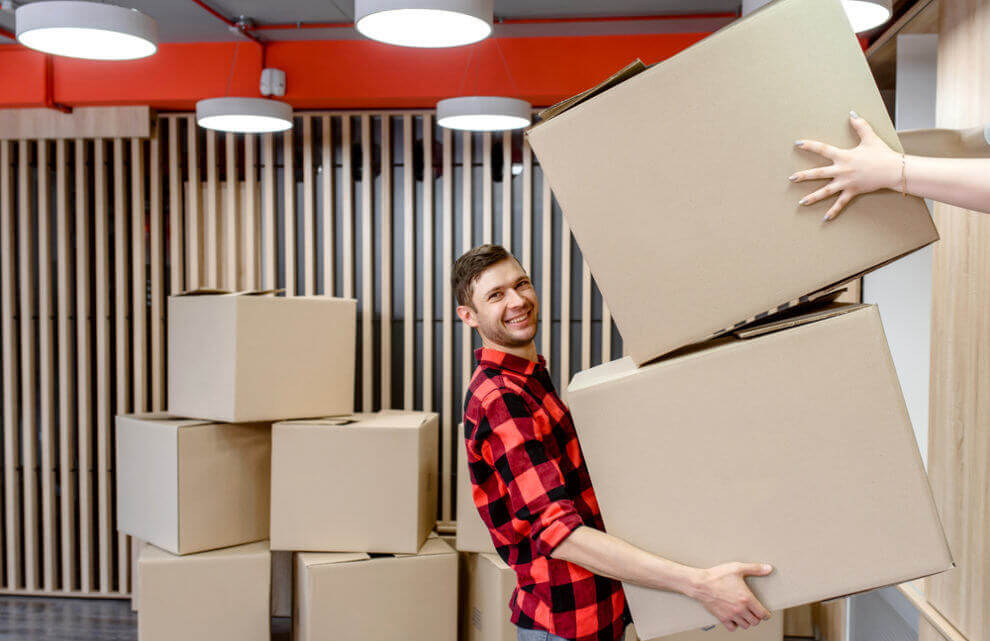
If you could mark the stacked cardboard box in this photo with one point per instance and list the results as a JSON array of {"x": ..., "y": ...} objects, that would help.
[{"x": 747, "y": 422}]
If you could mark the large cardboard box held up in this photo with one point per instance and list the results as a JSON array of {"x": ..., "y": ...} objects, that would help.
[
  {"x": 357, "y": 483},
  {"x": 486, "y": 589},
  {"x": 403, "y": 597},
  {"x": 674, "y": 181},
  {"x": 188, "y": 485},
  {"x": 243, "y": 357},
  {"x": 793, "y": 448},
  {"x": 472, "y": 533},
  {"x": 220, "y": 595}
]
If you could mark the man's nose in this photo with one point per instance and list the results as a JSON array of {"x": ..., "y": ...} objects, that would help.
[{"x": 514, "y": 299}]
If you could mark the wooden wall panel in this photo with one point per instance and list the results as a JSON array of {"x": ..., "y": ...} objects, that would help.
[{"x": 959, "y": 438}]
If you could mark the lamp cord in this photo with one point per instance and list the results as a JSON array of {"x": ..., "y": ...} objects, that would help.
[{"x": 233, "y": 62}]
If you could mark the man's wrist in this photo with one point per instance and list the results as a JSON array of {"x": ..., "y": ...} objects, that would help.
[{"x": 690, "y": 582}]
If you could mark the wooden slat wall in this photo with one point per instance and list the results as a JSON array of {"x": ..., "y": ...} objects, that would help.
[{"x": 108, "y": 228}]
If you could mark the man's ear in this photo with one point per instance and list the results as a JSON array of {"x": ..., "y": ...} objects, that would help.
[{"x": 467, "y": 315}]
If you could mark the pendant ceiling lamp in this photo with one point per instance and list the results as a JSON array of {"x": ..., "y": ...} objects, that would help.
[
  {"x": 424, "y": 23},
  {"x": 244, "y": 115},
  {"x": 90, "y": 30},
  {"x": 867, "y": 14},
  {"x": 483, "y": 113}
]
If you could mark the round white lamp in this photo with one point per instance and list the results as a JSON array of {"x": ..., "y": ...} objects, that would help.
[
  {"x": 86, "y": 30},
  {"x": 863, "y": 14},
  {"x": 244, "y": 115},
  {"x": 424, "y": 23},
  {"x": 483, "y": 113}
]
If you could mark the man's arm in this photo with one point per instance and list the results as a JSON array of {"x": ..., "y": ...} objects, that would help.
[{"x": 722, "y": 589}]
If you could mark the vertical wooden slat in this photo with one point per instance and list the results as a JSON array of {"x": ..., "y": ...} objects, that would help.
[
  {"x": 585, "y": 317},
  {"x": 428, "y": 259},
  {"x": 386, "y": 261},
  {"x": 66, "y": 378},
  {"x": 606, "y": 332},
  {"x": 12, "y": 508},
  {"x": 347, "y": 206},
  {"x": 527, "y": 208},
  {"x": 408, "y": 291},
  {"x": 467, "y": 242},
  {"x": 289, "y": 213},
  {"x": 174, "y": 209},
  {"x": 211, "y": 237},
  {"x": 268, "y": 177},
  {"x": 46, "y": 365},
  {"x": 367, "y": 270},
  {"x": 231, "y": 216},
  {"x": 122, "y": 370},
  {"x": 139, "y": 276},
  {"x": 486, "y": 188},
  {"x": 447, "y": 335},
  {"x": 84, "y": 379},
  {"x": 565, "y": 303},
  {"x": 546, "y": 330},
  {"x": 28, "y": 372},
  {"x": 157, "y": 284},
  {"x": 329, "y": 251},
  {"x": 249, "y": 250},
  {"x": 193, "y": 227},
  {"x": 309, "y": 212},
  {"x": 507, "y": 190},
  {"x": 104, "y": 412}
]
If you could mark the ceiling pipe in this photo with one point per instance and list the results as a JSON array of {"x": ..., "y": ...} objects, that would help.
[
  {"x": 240, "y": 27},
  {"x": 8, "y": 34},
  {"x": 50, "y": 88},
  {"x": 512, "y": 21}
]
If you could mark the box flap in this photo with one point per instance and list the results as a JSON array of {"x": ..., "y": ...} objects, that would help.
[
  {"x": 208, "y": 291},
  {"x": 814, "y": 314},
  {"x": 383, "y": 419},
  {"x": 621, "y": 75},
  {"x": 329, "y": 558},
  {"x": 947, "y": 143},
  {"x": 165, "y": 418}
]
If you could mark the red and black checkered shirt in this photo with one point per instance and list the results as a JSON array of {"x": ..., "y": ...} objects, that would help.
[{"x": 532, "y": 488}]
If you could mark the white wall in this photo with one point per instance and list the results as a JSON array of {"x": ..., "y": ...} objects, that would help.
[{"x": 903, "y": 290}]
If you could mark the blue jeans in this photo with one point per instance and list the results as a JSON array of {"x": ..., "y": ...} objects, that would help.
[{"x": 522, "y": 634}]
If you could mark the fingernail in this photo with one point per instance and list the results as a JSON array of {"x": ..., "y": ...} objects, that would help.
[
  {"x": 798, "y": 143},
  {"x": 768, "y": 568},
  {"x": 827, "y": 218},
  {"x": 792, "y": 177},
  {"x": 802, "y": 201},
  {"x": 854, "y": 114}
]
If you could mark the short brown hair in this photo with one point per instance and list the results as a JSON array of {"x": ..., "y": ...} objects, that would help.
[{"x": 469, "y": 267}]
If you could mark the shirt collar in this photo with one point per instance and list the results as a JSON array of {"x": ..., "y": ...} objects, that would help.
[{"x": 498, "y": 359}]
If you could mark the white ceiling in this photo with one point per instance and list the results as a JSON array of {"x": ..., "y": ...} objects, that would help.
[{"x": 184, "y": 21}]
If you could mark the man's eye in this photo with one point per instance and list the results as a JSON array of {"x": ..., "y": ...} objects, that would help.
[{"x": 494, "y": 296}]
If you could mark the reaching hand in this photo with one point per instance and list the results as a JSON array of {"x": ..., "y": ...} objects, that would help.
[
  {"x": 870, "y": 166},
  {"x": 724, "y": 593}
]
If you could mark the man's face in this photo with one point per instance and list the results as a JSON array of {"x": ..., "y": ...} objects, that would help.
[{"x": 505, "y": 307}]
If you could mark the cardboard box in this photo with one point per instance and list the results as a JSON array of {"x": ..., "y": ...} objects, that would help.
[
  {"x": 241, "y": 357},
  {"x": 187, "y": 485},
  {"x": 403, "y": 597},
  {"x": 357, "y": 483},
  {"x": 792, "y": 447},
  {"x": 674, "y": 181},
  {"x": 472, "y": 533},
  {"x": 486, "y": 591},
  {"x": 220, "y": 595},
  {"x": 772, "y": 630}
]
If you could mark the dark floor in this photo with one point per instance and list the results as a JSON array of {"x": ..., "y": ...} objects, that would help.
[{"x": 50, "y": 619}]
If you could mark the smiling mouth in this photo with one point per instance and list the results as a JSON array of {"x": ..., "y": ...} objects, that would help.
[{"x": 519, "y": 320}]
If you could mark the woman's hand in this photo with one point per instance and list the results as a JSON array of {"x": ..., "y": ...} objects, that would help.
[{"x": 868, "y": 167}]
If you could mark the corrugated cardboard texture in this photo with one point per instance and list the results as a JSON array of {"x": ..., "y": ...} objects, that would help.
[
  {"x": 772, "y": 630},
  {"x": 472, "y": 533},
  {"x": 352, "y": 596},
  {"x": 793, "y": 448},
  {"x": 188, "y": 486},
  {"x": 675, "y": 186},
  {"x": 253, "y": 358},
  {"x": 486, "y": 589},
  {"x": 366, "y": 482},
  {"x": 213, "y": 596}
]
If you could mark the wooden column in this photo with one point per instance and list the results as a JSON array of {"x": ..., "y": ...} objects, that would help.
[{"x": 959, "y": 425}]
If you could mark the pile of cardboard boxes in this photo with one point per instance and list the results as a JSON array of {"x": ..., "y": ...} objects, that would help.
[
  {"x": 755, "y": 418},
  {"x": 236, "y": 471}
]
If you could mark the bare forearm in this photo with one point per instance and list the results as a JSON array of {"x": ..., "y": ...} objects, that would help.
[
  {"x": 612, "y": 557},
  {"x": 962, "y": 182}
]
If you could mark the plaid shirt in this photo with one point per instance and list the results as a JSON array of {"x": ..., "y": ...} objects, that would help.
[{"x": 532, "y": 488}]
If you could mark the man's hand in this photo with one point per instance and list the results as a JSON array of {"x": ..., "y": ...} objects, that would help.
[{"x": 723, "y": 591}]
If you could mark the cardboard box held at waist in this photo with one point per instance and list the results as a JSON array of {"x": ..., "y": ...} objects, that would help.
[
  {"x": 674, "y": 180},
  {"x": 791, "y": 447}
]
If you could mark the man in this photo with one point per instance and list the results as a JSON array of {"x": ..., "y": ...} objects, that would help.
[{"x": 532, "y": 488}]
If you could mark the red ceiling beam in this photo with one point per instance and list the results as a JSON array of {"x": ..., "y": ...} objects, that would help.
[{"x": 337, "y": 74}]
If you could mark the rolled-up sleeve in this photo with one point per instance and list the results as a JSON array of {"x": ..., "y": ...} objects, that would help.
[{"x": 513, "y": 445}]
